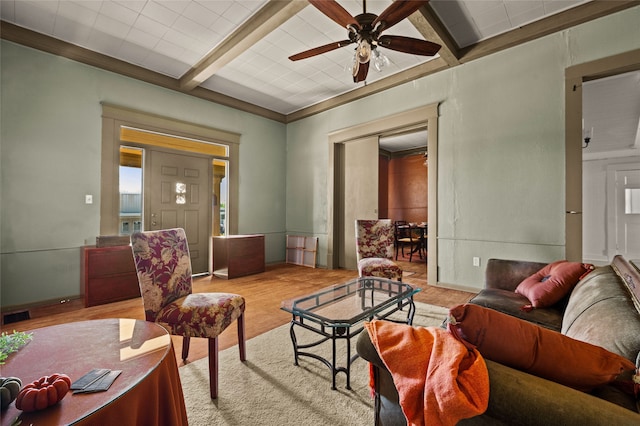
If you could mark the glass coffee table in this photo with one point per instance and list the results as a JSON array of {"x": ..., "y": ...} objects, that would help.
[{"x": 339, "y": 312}]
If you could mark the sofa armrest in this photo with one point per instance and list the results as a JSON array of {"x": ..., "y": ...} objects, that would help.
[
  {"x": 507, "y": 274},
  {"x": 519, "y": 398}
]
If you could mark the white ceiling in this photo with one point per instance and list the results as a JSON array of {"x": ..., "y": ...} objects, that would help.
[{"x": 172, "y": 37}]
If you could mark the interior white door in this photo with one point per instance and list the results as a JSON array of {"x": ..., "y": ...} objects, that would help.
[
  {"x": 360, "y": 191},
  {"x": 625, "y": 226},
  {"x": 179, "y": 196}
]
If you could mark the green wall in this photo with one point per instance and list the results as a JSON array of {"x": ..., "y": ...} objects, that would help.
[
  {"x": 50, "y": 158},
  {"x": 501, "y": 141}
]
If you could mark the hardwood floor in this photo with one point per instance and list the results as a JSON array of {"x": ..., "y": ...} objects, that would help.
[{"x": 263, "y": 294}]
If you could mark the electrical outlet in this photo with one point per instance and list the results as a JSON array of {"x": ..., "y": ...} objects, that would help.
[
  {"x": 88, "y": 199},
  {"x": 476, "y": 261}
]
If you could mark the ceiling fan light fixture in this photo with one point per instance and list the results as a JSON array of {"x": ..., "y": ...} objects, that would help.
[
  {"x": 380, "y": 60},
  {"x": 363, "y": 51}
]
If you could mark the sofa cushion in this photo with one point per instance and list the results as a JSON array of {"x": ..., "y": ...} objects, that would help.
[
  {"x": 601, "y": 312},
  {"x": 553, "y": 282},
  {"x": 536, "y": 350},
  {"x": 511, "y": 303}
]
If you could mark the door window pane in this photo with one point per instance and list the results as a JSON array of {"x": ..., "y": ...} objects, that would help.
[{"x": 632, "y": 200}]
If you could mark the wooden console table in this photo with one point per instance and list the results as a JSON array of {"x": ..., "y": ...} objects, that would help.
[
  {"x": 108, "y": 274},
  {"x": 238, "y": 255}
]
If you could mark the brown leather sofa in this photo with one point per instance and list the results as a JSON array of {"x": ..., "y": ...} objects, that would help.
[{"x": 603, "y": 309}]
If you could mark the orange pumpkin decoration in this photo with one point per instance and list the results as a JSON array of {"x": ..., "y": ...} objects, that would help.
[{"x": 43, "y": 393}]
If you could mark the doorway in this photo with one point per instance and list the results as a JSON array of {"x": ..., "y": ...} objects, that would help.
[
  {"x": 423, "y": 117},
  {"x": 575, "y": 76},
  {"x": 121, "y": 125}
]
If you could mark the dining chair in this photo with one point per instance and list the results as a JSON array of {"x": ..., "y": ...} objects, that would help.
[
  {"x": 405, "y": 235},
  {"x": 163, "y": 266},
  {"x": 374, "y": 249}
]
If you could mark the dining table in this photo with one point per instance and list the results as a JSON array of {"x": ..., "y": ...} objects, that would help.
[
  {"x": 422, "y": 228},
  {"x": 146, "y": 392}
]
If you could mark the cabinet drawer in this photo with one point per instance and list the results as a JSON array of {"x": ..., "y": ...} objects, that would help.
[
  {"x": 111, "y": 289},
  {"x": 109, "y": 262}
]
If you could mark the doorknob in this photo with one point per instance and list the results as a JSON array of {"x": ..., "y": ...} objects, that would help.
[{"x": 573, "y": 212}]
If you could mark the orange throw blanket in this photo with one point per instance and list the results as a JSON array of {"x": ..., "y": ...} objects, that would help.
[{"x": 439, "y": 380}]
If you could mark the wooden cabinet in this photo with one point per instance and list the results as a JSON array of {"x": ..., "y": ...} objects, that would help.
[
  {"x": 302, "y": 250},
  {"x": 108, "y": 275},
  {"x": 238, "y": 255}
]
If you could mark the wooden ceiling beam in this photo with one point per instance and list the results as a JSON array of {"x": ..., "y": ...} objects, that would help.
[
  {"x": 268, "y": 18},
  {"x": 432, "y": 29}
]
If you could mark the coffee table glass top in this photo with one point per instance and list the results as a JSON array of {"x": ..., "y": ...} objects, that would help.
[{"x": 348, "y": 303}]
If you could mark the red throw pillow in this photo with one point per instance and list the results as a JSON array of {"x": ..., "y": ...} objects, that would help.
[
  {"x": 550, "y": 284},
  {"x": 545, "y": 353}
]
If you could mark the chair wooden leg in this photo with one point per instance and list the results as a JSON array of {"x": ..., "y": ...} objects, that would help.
[
  {"x": 213, "y": 367},
  {"x": 241, "y": 338},
  {"x": 185, "y": 348}
]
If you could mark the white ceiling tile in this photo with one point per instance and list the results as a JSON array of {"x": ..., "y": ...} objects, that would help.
[
  {"x": 107, "y": 25},
  {"x": 219, "y": 7},
  {"x": 165, "y": 65},
  {"x": 200, "y": 14},
  {"x": 237, "y": 12},
  {"x": 72, "y": 32},
  {"x": 142, "y": 38},
  {"x": 135, "y": 5},
  {"x": 39, "y": 16},
  {"x": 175, "y": 5},
  {"x": 222, "y": 26},
  {"x": 522, "y": 16},
  {"x": 494, "y": 29},
  {"x": 75, "y": 11},
  {"x": 94, "y": 5},
  {"x": 481, "y": 6},
  {"x": 159, "y": 12},
  {"x": 119, "y": 12},
  {"x": 8, "y": 10},
  {"x": 149, "y": 26},
  {"x": 168, "y": 49},
  {"x": 104, "y": 43},
  {"x": 195, "y": 31},
  {"x": 490, "y": 16},
  {"x": 181, "y": 39},
  {"x": 555, "y": 6},
  {"x": 133, "y": 53}
]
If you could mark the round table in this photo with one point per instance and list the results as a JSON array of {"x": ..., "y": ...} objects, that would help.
[{"x": 148, "y": 391}]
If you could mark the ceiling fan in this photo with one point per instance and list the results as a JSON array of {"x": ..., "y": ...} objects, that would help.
[{"x": 365, "y": 29}]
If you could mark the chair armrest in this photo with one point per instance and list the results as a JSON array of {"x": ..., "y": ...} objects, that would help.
[{"x": 507, "y": 274}]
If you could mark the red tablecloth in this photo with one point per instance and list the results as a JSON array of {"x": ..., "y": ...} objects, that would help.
[{"x": 147, "y": 392}]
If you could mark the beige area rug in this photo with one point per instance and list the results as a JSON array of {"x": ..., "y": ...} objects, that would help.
[{"x": 270, "y": 390}]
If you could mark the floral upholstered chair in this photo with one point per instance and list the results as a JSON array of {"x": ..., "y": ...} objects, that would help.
[
  {"x": 164, "y": 274},
  {"x": 374, "y": 247}
]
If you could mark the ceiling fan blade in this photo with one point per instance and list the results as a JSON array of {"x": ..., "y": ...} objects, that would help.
[
  {"x": 396, "y": 12},
  {"x": 363, "y": 69},
  {"x": 320, "y": 49},
  {"x": 409, "y": 45},
  {"x": 336, "y": 12}
]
